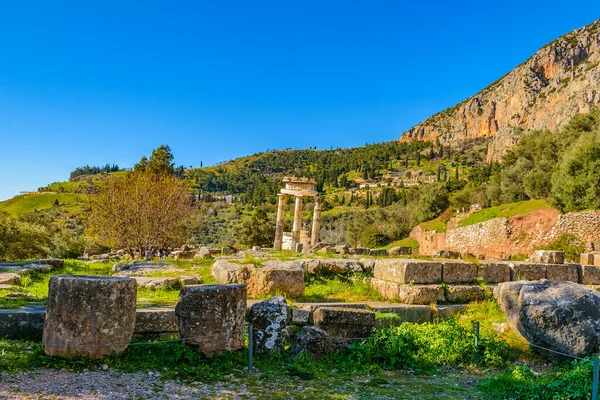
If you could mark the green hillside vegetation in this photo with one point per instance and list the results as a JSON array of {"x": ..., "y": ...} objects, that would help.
[
  {"x": 28, "y": 203},
  {"x": 505, "y": 211}
]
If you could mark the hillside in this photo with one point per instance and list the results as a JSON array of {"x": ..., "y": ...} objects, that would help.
[{"x": 544, "y": 92}]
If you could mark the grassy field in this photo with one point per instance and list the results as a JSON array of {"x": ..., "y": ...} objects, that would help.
[
  {"x": 505, "y": 211},
  {"x": 27, "y": 203}
]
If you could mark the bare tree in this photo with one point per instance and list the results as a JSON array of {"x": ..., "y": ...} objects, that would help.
[{"x": 141, "y": 210}]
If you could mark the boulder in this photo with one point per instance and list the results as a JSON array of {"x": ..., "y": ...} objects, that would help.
[
  {"x": 212, "y": 317},
  {"x": 183, "y": 255},
  {"x": 561, "y": 316},
  {"x": 409, "y": 294},
  {"x": 269, "y": 322},
  {"x": 189, "y": 280},
  {"x": 89, "y": 316},
  {"x": 524, "y": 271},
  {"x": 344, "y": 325},
  {"x": 312, "y": 341},
  {"x": 455, "y": 271},
  {"x": 494, "y": 271},
  {"x": 155, "y": 320},
  {"x": 402, "y": 270},
  {"x": 24, "y": 323},
  {"x": 274, "y": 279},
  {"x": 547, "y": 257},
  {"x": 202, "y": 252},
  {"x": 227, "y": 272}
]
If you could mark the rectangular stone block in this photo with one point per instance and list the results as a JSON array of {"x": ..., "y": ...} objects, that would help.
[
  {"x": 547, "y": 257},
  {"x": 311, "y": 307},
  {"x": 409, "y": 294},
  {"x": 586, "y": 259},
  {"x": 155, "y": 320},
  {"x": 25, "y": 323},
  {"x": 344, "y": 324},
  {"x": 562, "y": 272},
  {"x": 402, "y": 270},
  {"x": 590, "y": 275},
  {"x": 455, "y": 271},
  {"x": 494, "y": 271},
  {"x": 300, "y": 317},
  {"x": 405, "y": 312},
  {"x": 523, "y": 271},
  {"x": 464, "y": 293}
]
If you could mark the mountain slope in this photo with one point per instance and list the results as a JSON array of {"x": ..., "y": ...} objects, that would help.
[{"x": 559, "y": 81}]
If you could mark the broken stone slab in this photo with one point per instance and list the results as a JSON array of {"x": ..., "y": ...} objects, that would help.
[
  {"x": 4, "y": 286},
  {"x": 563, "y": 272},
  {"x": 312, "y": 341},
  {"x": 155, "y": 320},
  {"x": 343, "y": 325},
  {"x": 405, "y": 312},
  {"x": 287, "y": 280},
  {"x": 494, "y": 271},
  {"x": 156, "y": 283},
  {"x": 455, "y": 271},
  {"x": 547, "y": 257},
  {"x": 402, "y": 270},
  {"x": 24, "y": 323},
  {"x": 189, "y": 280},
  {"x": 464, "y": 293},
  {"x": 9, "y": 278},
  {"x": 269, "y": 322},
  {"x": 89, "y": 316},
  {"x": 448, "y": 311},
  {"x": 409, "y": 294},
  {"x": 227, "y": 272},
  {"x": 54, "y": 263},
  {"x": 524, "y": 271},
  {"x": 212, "y": 317}
]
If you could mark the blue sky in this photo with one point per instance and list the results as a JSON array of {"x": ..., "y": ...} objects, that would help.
[{"x": 84, "y": 82}]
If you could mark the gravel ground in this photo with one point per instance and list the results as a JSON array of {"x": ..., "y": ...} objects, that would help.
[{"x": 66, "y": 385}]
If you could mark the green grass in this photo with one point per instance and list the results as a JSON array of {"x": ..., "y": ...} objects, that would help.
[
  {"x": 27, "y": 203},
  {"x": 436, "y": 224},
  {"x": 406, "y": 242},
  {"x": 505, "y": 211},
  {"x": 339, "y": 288}
]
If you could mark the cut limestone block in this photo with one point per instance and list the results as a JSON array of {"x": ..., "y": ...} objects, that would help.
[
  {"x": 563, "y": 272},
  {"x": 25, "y": 323},
  {"x": 547, "y": 257},
  {"x": 402, "y": 270},
  {"x": 212, "y": 317},
  {"x": 405, "y": 312},
  {"x": 269, "y": 320},
  {"x": 287, "y": 280},
  {"x": 311, "y": 307},
  {"x": 344, "y": 324},
  {"x": 156, "y": 283},
  {"x": 524, "y": 271},
  {"x": 464, "y": 293},
  {"x": 368, "y": 264},
  {"x": 300, "y": 317},
  {"x": 156, "y": 320},
  {"x": 455, "y": 271},
  {"x": 89, "y": 316},
  {"x": 409, "y": 294},
  {"x": 586, "y": 259},
  {"x": 494, "y": 271},
  {"x": 333, "y": 265},
  {"x": 9, "y": 278},
  {"x": 226, "y": 272},
  {"x": 590, "y": 275}
]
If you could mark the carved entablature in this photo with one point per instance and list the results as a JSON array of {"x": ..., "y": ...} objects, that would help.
[{"x": 299, "y": 187}]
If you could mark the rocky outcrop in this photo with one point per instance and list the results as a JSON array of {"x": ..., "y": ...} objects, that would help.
[
  {"x": 561, "y": 316},
  {"x": 565, "y": 72},
  {"x": 312, "y": 341}
]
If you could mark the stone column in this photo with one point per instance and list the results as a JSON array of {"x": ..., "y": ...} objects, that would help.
[
  {"x": 297, "y": 223},
  {"x": 316, "y": 224},
  {"x": 280, "y": 223}
]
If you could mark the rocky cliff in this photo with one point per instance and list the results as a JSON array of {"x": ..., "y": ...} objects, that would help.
[{"x": 546, "y": 91}]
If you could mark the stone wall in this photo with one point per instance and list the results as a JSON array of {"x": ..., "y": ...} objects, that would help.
[
  {"x": 429, "y": 241},
  {"x": 584, "y": 225},
  {"x": 490, "y": 238}
]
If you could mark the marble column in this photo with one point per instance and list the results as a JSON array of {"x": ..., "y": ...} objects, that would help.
[
  {"x": 297, "y": 223},
  {"x": 280, "y": 223},
  {"x": 316, "y": 224}
]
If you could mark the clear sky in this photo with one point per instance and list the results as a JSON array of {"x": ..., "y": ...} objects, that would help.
[{"x": 85, "y": 82}]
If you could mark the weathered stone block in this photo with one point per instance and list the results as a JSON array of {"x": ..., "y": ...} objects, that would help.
[
  {"x": 156, "y": 320},
  {"x": 344, "y": 325},
  {"x": 312, "y": 341},
  {"x": 464, "y": 293},
  {"x": 361, "y": 251},
  {"x": 590, "y": 275},
  {"x": 409, "y": 294},
  {"x": 25, "y": 323},
  {"x": 9, "y": 278},
  {"x": 378, "y": 253},
  {"x": 454, "y": 271},
  {"x": 446, "y": 254},
  {"x": 586, "y": 259},
  {"x": 401, "y": 270},
  {"x": 288, "y": 280},
  {"x": 332, "y": 265},
  {"x": 494, "y": 271},
  {"x": 156, "y": 283},
  {"x": 405, "y": 312},
  {"x": 300, "y": 316},
  {"x": 523, "y": 271},
  {"x": 311, "y": 307},
  {"x": 226, "y": 272},
  {"x": 400, "y": 250},
  {"x": 269, "y": 322},
  {"x": 547, "y": 257},
  {"x": 189, "y": 280},
  {"x": 212, "y": 317},
  {"x": 89, "y": 316},
  {"x": 368, "y": 264},
  {"x": 562, "y": 272}
]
